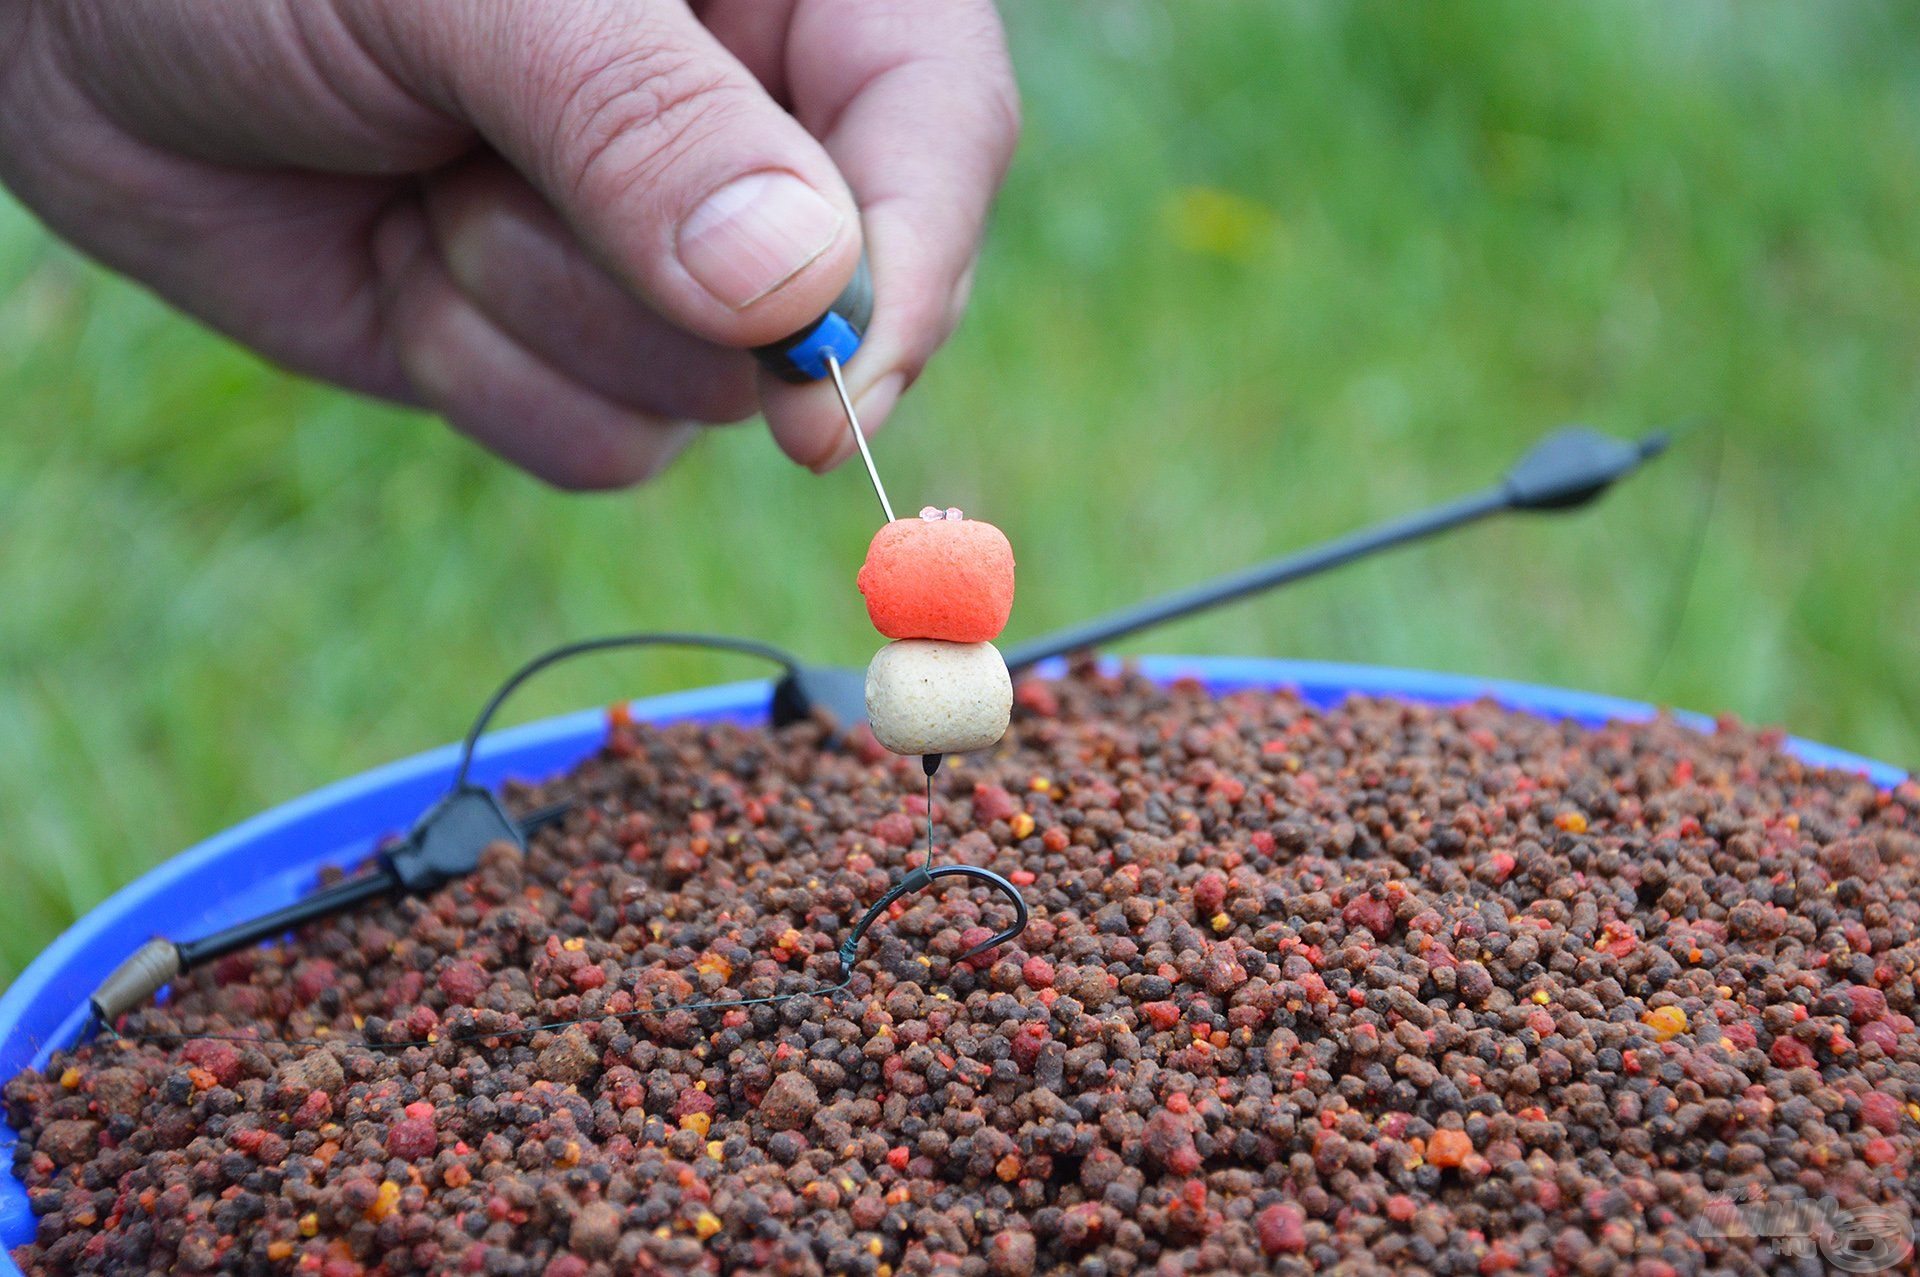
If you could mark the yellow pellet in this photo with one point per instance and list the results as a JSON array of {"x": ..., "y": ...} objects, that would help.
[
  {"x": 309, "y": 1224},
  {"x": 716, "y": 1150},
  {"x": 384, "y": 1204},
  {"x": 1665, "y": 1021},
  {"x": 1022, "y": 824},
  {"x": 1220, "y": 922},
  {"x": 706, "y": 1224},
  {"x": 71, "y": 1079}
]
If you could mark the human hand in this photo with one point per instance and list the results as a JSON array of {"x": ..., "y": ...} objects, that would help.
[{"x": 556, "y": 222}]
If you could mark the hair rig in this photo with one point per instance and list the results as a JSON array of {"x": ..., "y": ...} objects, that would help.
[{"x": 941, "y": 587}]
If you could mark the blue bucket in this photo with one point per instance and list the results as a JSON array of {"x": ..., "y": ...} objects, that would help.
[{"x": 276, "y": 857}]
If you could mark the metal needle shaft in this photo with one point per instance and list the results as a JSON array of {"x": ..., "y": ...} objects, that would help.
[{"x": 859, "y": 438}]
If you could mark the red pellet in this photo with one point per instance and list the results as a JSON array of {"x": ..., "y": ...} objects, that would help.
[
  {"x": 412, "y": 1138},
  {"x": 1282, "y": 1229}
]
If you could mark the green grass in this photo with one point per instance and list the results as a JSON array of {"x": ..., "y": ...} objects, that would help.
[{"x": 1262, "y": 273}]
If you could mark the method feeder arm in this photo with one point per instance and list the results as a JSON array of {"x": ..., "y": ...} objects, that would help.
[
  {"x": 444, "y": 845},
  {"x": 1568, "y": 469}
]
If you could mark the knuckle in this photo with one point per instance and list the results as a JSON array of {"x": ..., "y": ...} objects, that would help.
[
  {"x": 627, "y": 114},
  {"x": 987, "y": 38},
  {"x": 1001, "y": 103},
  {"x": 1000, "y": 87}
]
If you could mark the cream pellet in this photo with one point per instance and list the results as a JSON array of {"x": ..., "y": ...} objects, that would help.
[{"x": 925, "y": 696}]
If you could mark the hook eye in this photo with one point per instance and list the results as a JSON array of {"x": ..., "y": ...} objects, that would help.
[{"x": 999, "y": 884}]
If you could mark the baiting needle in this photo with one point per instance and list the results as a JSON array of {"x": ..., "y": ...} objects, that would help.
[{"x": 859, "y": 438}]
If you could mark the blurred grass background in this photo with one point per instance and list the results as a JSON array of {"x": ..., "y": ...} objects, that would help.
[{"x": 1263, "y": 272}]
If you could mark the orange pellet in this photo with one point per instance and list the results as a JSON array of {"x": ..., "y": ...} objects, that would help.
[
  {"x": 1449, "y": 1148},
  {"x": 949, "y": 579}
]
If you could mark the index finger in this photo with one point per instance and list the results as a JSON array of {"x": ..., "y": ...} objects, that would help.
[{"x": 916, "y": 103}]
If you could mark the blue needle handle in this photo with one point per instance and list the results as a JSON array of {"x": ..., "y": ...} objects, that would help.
[{"x": 802, "y": 357}]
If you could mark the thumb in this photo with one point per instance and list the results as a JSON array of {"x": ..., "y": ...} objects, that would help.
[{"x": 658, "y": 148}]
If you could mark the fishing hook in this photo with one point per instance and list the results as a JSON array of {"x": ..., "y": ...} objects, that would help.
[{"x": 922, "y": 878}]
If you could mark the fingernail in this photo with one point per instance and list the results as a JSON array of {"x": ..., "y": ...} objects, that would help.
[
  {"x": 756, "y": 233},
  {"x": 872, "y": 408}
]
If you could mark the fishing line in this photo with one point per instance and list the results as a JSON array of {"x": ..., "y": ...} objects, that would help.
[
  {"x": 1677, "y": 609},
  {"x": 568, "y": 651},
  {"x": 477, "y": 1036}
]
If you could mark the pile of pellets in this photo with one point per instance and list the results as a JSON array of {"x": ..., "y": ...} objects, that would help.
[{"x": 1385, "y": 987}]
